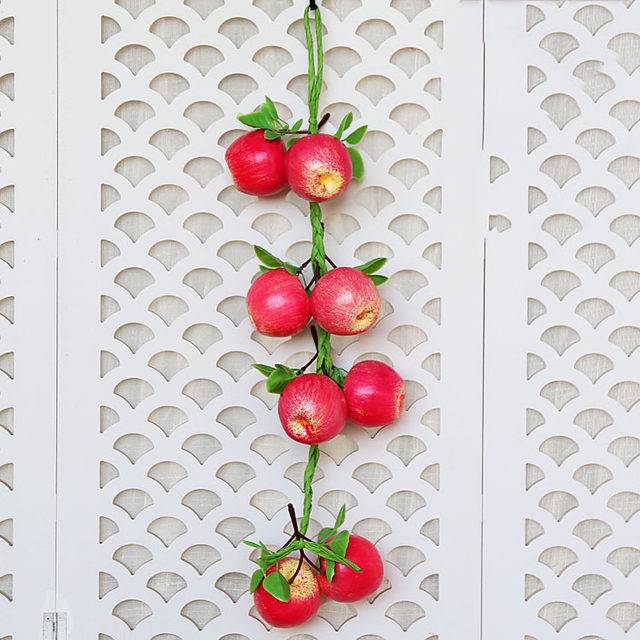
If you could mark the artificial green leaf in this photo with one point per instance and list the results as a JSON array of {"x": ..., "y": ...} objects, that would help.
[
  {"x": 372, "y": 266},
  {"x": 276, "y": 584},
  {"x": 265, "y": 370},
  {"x": 340, "y": 543},
  {"x": 279, "y": 379},
  {"x": 291, "y": 268},
  {"x": 296, "y": 126},
  {"x": 357, "y": 163},
  {"x": 256, "y": 579},
  {"x": 329, "y": 570},
  {"x": 270, "y": 108},
  {"x": 291, "y": 142},
  {"x": 264, "y": 269},
  {"x": 378, "y": 280},
  {"x": 344, "y": 125},
  {"x": 326, "y": 533},
  {"x": 271, "y": 135},
  {"x": 342, "y": 514},
  {"x": 328, "y": 554},
  {"x": 356, "y": 136},
  {"x": 256, "y": 119},
  {"x": 267, "y": 258},
  {"x": 250, "y": 543}
]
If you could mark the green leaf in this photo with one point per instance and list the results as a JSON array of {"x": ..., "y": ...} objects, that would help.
[
  {"x": 356, "y": 136},
  {"x": 344, "y": 125},
  {"x": 250, "y": 543},
  {"x": 372, "y": 266},
  {"x": 291, "y": 141},
  {"x": 342, "y": 514},
  {"x": 291, "y": 268},
  {"x": 256, "y": 579},
  {"x": 267, "y": 258},
  {"x": 357, "y": 163},
  {"x": 256, "y": 119},
  {"x": 271, "y": 135},
  {"x": 269, "y": 108},
  {"x": 326, "y": 533},
  {"x": 378, "y": 280},
  {"x": 340, "y": 543},
  {"x": 296, "y": 126},
  {"x": 264, "y": 269},
  {"x": 280, "y": 378},
  {"x": 276, "y": 584},
  {"x": 329, "y": 554},
  {"x": 265, "y": 370}
]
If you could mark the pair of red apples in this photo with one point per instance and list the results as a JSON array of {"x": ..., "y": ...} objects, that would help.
[
  {"x": 317, "y": 167},
  {"x": 307, "y": 588}
]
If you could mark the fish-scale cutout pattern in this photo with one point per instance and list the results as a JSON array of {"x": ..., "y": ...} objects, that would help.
[
  {"x": 578, "y": 501},
  {"x": 187, "y": 432}
]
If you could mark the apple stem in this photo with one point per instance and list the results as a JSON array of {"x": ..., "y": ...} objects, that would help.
[
  {"x": 331, "y": 262},
  {"x": 306, "y": 366}
]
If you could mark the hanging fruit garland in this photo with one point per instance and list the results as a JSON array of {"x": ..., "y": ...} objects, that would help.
[{"x": 313, "y": 407}]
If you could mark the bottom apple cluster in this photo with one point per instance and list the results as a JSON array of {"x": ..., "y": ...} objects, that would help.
[{"x": 295, "y": 595}]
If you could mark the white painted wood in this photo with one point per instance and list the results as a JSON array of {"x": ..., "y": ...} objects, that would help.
[
  {"x": 427, "y": 513},
  {"x": 27, "y": 317},
  {"x": 562, "y": 372}
]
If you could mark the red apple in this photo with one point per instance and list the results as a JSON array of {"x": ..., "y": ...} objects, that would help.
[
  {"x": 375, "y": 393},
  {"x": 349, "y": 585},
  {"x": 304, "y": 597},
  {"x": 345, "y": 302},
  {"x": 318, "y": 167},
  {"x": 278, "y": 305},
  {"x": 257, "y": 165},
  {"x": 312, "y": 408}
]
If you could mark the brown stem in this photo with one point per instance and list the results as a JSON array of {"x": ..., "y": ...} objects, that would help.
[
  {"x": 297, "y": 571},
  {"x": 311, "y": 282},
  {"x": 331, "y": 262},
  {"x": 306, "y": 366},
  {"x": 311, "y": 563},
  {"x": 294, "y": 521}
]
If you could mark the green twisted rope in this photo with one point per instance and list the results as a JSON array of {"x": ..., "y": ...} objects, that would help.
[{"x": 324, "y": 363}]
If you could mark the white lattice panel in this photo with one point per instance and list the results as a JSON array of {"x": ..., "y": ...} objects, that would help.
[
  {"x": 562, "y": 440},
  {"x": 27, "y": 320},
  {"x": 170, "y": 449}
]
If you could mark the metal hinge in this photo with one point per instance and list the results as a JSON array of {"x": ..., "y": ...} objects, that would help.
[{"x": 54, "y": 626}]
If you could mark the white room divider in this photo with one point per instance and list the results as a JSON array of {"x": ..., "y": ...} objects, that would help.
[
  {"x": 138, "y": 447},
  {"x": 27, "y": 317}
]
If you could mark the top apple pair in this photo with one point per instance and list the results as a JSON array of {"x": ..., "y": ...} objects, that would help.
[{"x": 317, "y": 167}]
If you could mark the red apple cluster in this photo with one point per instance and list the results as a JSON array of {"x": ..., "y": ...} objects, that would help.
[
  {"x": 317, "y": 167},
  {"x": 313, "y": 407},
  {"x": 305, "y": 587}
]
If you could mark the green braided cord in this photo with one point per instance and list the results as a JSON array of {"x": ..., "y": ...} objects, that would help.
[
  {"x": 309, "y": 472},
  {"x": 324, "y": 363}
]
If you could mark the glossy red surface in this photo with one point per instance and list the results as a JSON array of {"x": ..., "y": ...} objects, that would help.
[
  {"x": 345, "y": 302},
  {"x": 318, "y": 167},
  {"x": 375, "y": 393},
  {"x": 312, "y": 409},
  {"x": 349, "y": 585},
  {"x": 278, "y": 305},
  {"x": 257, "y": 165}
]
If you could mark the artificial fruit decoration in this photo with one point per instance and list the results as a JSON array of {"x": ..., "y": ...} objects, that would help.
[
  {"x": 345, "y": 301},
  {"x": 278, "y": 305},
  {"x": 312, "y": 408},
  {"x": 318, "y": 167},
  {"x": 294, "y": 602},
  {"x": 257, "y": 164},
  {"x": 342, "y": 583},
  {"x": 375, "y": 393}
]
